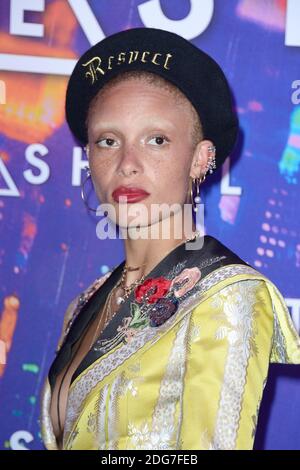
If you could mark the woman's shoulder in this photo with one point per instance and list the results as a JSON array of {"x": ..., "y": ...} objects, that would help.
[
  {"x": 236, "y": 286},
  {"x": 77, "y": 303},
  {"x": 257, "y": 294}
]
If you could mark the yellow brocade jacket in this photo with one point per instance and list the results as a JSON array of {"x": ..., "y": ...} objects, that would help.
[{"x": 184, "y": 362}]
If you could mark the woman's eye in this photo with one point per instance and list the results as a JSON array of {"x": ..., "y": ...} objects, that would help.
[
  {"x": 159, "y": 139},
  {"x": 107, "y": 140}
]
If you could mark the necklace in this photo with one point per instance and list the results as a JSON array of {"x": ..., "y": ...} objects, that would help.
[
  {"x": 107, "y": 314},
  {"x": 128, "y": 289},
  {"x": 104, "y": 316}
]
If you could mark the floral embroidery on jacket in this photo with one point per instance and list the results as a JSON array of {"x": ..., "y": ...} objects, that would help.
[
  {"x": 152, "y": 289},
  {"x": 237, "y": 324},
  {"x": 190, "y": 277},
  {"x": 130, "y": 384},
  {"x": 142, "y": 437},
  {"x": 157, "y": 299}
]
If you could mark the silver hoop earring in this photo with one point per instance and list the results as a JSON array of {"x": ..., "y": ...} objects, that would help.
[{"x": 88, "y": 175}]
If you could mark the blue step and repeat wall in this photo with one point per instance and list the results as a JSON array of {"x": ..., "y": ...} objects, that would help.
[{"x": 49, "y": 250}]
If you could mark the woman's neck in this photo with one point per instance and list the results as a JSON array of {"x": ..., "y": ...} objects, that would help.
[{"x": 146, "y": 252}]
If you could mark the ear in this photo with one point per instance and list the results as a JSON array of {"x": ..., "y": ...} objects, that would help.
[{"x": 200, "y": 159}]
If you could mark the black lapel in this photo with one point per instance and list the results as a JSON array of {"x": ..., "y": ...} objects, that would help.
[
  {"x": 213, "y": 252},
  {"x": 80, "y": 323}
]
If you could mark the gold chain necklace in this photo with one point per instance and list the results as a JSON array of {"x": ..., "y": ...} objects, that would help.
[
  {"x": 107, "y": 310},
  {"x": 129, "y": 289},
  {"x": 108, "y": 316}
]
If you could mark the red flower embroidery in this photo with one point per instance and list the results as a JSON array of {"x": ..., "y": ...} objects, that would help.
[{"x": 152, "y": 289}]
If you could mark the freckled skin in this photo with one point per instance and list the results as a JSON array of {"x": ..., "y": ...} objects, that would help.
[{"x": 134, "y": 114}]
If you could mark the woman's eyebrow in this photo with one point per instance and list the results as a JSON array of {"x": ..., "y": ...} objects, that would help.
[
  {"x": 105, "y": 126},
  {"x": 102, "y": 126}
]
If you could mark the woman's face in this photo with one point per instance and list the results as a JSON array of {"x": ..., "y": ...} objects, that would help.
[{"x": 139, "y": 135}]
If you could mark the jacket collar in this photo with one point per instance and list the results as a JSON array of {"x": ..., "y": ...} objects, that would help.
[{"x": 212, "y": 255}]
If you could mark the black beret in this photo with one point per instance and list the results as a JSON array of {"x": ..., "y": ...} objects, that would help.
[{"x": 172, "y": 57}]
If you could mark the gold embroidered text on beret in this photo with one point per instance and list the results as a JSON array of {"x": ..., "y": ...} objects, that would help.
[{"x": 169, "y": 55}]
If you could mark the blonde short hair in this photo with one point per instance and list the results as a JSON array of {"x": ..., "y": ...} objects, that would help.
[{"x": 153, "y": 78}]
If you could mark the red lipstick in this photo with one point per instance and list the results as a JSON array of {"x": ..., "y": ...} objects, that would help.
[{"x": 131, "y": 193}]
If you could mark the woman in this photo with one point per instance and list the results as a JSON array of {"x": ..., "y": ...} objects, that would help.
[{"x": 170, "y": 349}]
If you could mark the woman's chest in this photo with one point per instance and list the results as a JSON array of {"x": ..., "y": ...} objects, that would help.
[{"x": 60, "y": 392}]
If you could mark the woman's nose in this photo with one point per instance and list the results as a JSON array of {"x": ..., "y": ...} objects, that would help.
[{"x": 130, "y": 159}]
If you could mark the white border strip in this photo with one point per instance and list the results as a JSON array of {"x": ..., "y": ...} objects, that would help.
[{"x": 35, "y": 64}]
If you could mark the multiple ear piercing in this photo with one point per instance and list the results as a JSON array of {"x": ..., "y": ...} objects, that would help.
[
  {"x": 211, "y": 162},
  {"x": 210, "y": 167}
]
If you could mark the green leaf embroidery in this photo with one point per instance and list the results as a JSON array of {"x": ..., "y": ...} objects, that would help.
[{"x": 137, "y": 321}]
